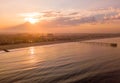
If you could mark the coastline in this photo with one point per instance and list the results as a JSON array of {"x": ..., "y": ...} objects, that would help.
[{"x": 23, "y": 45}]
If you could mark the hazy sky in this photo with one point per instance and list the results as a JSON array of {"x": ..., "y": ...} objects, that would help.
[{"x": 61, "y": 15}]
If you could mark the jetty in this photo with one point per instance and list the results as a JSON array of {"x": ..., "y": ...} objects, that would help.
[
  {"x": 102, "y": 43},
  {"x": 5, "y": 50}
]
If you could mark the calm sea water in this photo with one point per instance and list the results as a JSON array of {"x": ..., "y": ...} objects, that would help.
[{"x": 63, "y": 63}]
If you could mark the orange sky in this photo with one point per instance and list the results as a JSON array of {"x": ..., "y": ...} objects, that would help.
[{"x": 60, "y": 16}]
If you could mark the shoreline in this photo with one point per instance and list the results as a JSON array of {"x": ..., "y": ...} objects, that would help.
[{"x": 23, "y": 45}]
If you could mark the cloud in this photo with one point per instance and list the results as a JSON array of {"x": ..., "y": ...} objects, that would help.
[
  {"x": 33, "y": 14},
  {"x": 70, "y": 21},
  {"x": 77, "y": 17},
  {"x": 113, "y": 17}
]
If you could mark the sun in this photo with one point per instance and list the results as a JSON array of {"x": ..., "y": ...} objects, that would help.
[{"x": 31, "y": 20}]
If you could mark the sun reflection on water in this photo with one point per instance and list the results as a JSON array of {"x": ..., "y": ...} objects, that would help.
[
  {"x": 35, "y": 55},
  {"x": 32, "y": 57},
  {"x": 32, "y": 50}
]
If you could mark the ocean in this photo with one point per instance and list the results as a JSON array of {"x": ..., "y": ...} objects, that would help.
[{"x": 73, "y": 62}]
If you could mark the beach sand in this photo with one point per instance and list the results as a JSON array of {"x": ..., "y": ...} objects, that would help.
[{"x": 22, "y": 45}]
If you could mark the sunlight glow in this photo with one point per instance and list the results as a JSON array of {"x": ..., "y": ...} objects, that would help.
[
  {"x": 31, "y": 20},
  {"x": 32, "y": 50},
  {"x": 31, "y": 17}
]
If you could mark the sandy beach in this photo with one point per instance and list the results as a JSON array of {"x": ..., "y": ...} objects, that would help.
[
  {"x": 22, "y": 45},
  {"x": 14, "y": 46}
]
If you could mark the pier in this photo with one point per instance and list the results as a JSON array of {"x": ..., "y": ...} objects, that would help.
[{"x": 102, "y": 44}]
